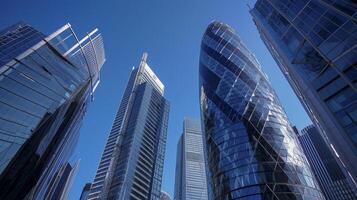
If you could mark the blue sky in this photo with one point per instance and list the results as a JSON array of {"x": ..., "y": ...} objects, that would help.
[{"x": 170, "y": 31}]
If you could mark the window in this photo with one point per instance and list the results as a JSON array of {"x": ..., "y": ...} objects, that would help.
[
  {"x": 278, "y": 22},
  {"x": 351, "y": 73},
  {"x": 292, "y": 39},
  {"x": 349, "y": 59},
  {"x": 341, "y": 99},
  {"x": 348, "y": 6},
  {"x": 309, "y": 62}
]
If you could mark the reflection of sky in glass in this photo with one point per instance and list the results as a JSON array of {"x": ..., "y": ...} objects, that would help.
[{"x": 250, "y": 142}]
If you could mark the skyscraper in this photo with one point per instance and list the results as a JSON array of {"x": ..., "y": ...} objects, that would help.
[
  {"x": 191, "y": 181},
  {"x": 333, "y": 182},
  {"x": 46, "y": 83},
  {"x": 251, "y": 148},
  {"x": 132, "y": 162},
  {"x": 314, "y": 44},
  {"x": 60, "y": 185}
]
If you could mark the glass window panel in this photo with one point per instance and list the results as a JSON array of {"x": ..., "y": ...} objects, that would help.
[
  {"x": 332, "y": 88},
  {"x": 349, "y": 7},
  {"x": 293, "y": 39},
  {"x": 347, "y": 60},
  {"x": 314, "y": 38},
  {"x": 308, "y": 61},
  {"x": 342, "y": 99},
  {"x": 351, "y": 73}
]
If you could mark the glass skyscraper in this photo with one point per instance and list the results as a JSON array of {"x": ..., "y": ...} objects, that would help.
[
  {"x": 314, "y": 43},
  {"x": 46, "y": 83},
  {"x": 252, "y": 150},
  {"x": 132, "y": 162},
  {"x": 333, "y": 182},
  {"x": 60, "y": 185},
  {"x": 191, "y": 181}
]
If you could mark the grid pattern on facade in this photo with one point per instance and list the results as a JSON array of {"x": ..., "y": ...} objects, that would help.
[
  {"x": 334, "y": 184},
  {"x": 251, "y": 148},
  {"x": 191, "y": 181},
  {"x": 314, "y": 43},
  {"x": 43, "y": 98},
  {"x": 132, "y": 162}
]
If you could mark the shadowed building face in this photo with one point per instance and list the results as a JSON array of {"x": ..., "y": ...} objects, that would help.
[
  {"x": 333, "y": 182},
  {"x": 314, "y": 42}
]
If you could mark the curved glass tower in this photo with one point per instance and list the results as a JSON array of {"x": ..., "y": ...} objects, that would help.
[{"x": 252, "y": 151}]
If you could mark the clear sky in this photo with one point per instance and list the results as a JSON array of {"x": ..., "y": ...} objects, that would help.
[{"x": 170, "y": 31}]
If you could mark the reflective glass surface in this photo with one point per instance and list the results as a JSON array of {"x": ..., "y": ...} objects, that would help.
[
  {"x": 190, "y": 180},
  {"x": 315, "y": 44},
  {"x": 44, "y": 94},
  {"x": 131, "y": 165},
  {"x": 333, "y": 182},
  {"x": 252, "y": 150}
]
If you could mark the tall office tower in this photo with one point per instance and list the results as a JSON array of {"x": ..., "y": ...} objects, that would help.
[
  {"x": 60, "y": 185},
  {"x": 191, "y": 181},
  {"x": 132, "y": 162},
  {"x": 314, "y": 43},
  {"x": 46, "y": 83},
  {"x": 251, "y": 148},
  {"x": 333, "y": 182},
  {"x": 164, "y": 196}
]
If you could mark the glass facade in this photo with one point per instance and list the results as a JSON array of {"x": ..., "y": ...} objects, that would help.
[
  {"x": 132, "y": 162},
  {"x": 191, "y": 181},
  {"x": 45, "y": 86},
  {"x": 252, "y": 151},
  {"x": 314, "y": 43},
  {"x": 59, "y": 186},
  {"x": 333, "y": 182}
]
